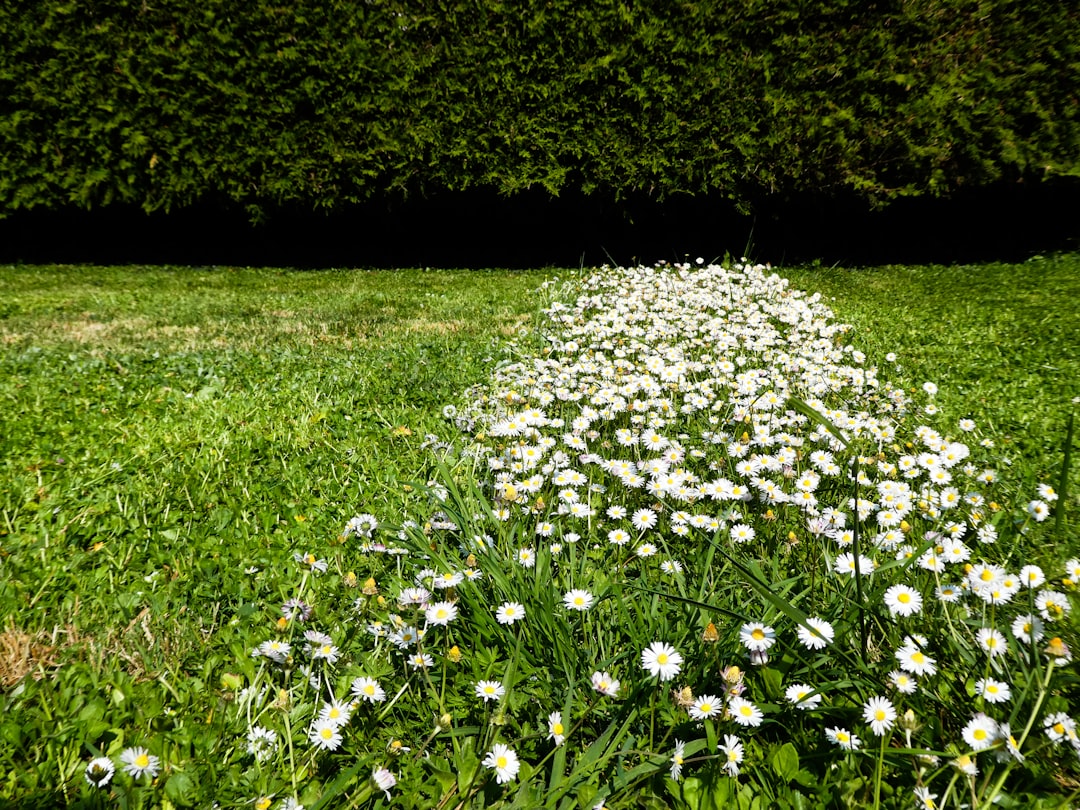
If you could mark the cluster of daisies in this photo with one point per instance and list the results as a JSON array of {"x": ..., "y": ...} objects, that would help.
[
  {"x": 673, "y": 409},
  {"x": 659, "y": 416},
  {"x": 136, "y": 762}
]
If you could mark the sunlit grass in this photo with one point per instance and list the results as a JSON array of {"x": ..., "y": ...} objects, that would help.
[{"x": 172, "y": 437}]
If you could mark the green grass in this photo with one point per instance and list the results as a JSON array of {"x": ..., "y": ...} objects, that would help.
[
  {"x": 169, "y": 437},
  {"x": 165, "y": 429},
  {"x": 1002, "y": 341}
]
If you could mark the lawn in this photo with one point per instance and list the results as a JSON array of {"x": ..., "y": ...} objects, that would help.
[{"x": 183, "y": 450}]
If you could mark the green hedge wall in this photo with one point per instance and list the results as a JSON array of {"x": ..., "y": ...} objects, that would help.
[{"x": 163, "y": 103}]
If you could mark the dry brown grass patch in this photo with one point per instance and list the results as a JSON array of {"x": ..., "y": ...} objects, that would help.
[{"x": 22, "y": 654}]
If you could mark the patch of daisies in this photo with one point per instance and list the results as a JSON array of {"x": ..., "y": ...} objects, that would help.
[{"x": 671, "y": 410}]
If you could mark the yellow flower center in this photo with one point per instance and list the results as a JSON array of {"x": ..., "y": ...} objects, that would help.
[
  {"x": 904, "y": 598},
  {"x": 142, "y": 760},
  {"x": 501, "y": 762},
  {"x": 369, "y": 689},
  {"x": 918, "y": 657},
  {"x": 879, "y": 715},
  {"x": 705, "y": 708},
  {"x": 662, "y": 658},
  {"x": 758, "y": 634},
  {"x": 557, "y": 728},
  {"x": 979, "y": 734}
]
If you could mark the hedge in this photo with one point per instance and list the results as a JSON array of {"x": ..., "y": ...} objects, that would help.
[{"x": 162, "y": 103}]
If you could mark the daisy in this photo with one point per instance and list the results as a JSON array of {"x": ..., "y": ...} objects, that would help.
[
  {"x": 526, "y": 557},
  {"x": 384, "y": 780},
  {"x": 744, "y": 712},
  {"x": 993, "y": 691},
  {"x": 99, "y": 772},
  {"x": 277, "y": 651},
  {"x": 368, "y": 689},
  {"x": 677, "y": 760},
  {"x": 644, "y": 519},
  {"x": 262, "y": 742},
  {"x": 509, "y": 612},
  {"x": 980, "y": 732},
  {"x": 757, "y": 637},
  {"x": 326, "y": 652},
  {"x": 420, "y": 661},
  {"x": 992, "y": 641},
  {"x": 578, "y": 600},
  {"x": 556, "y": 730},
  {"x": 405, "y": 637},
  {"x": 705, "y": 706},
  {"x": 1031, "y": 576},
  {"x": 815, "y": 634},
  {"x": 645, "y": 550},
  {"x": 846, "y": 563},
  {"x": 336, "y": 712},
  {"x": 903, "y": 600},
  {"x": 489, "y": 690},
  {"x": 1038, "y": 510},
  {"x": 843, "y": 738},
  {"x": 880, "y": 714},
  {"x": 966, "y": 765},
  {"x": 731, "y": 751},
  {"x": 605, "y": 684},
  {"x": 741, "y": 533},
  {"x": 618, "y": 537},
  {"x": 504, "y": 762},
  {"x": 441, "y": 613},
  {"x": 925, "y": 798},
  {"x": 671, "y": 567},
  {"x": 1052, "y": 605},
  {"x": 661, "y": 660},
  {"x": 1059, "y": 726},
  {"x": 139, "y": 762},
  {"x": 325, "y": 734},
  {"x": 904, "y": 683},
  {"x": 802, "y": 696},
  {"x": 448, "y": 580},
  {"x": 948, "y": 593},
  {"x": 915, "y": 661}
]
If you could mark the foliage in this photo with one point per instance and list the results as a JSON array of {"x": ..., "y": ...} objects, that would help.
[{"x": 323, "y": 104}]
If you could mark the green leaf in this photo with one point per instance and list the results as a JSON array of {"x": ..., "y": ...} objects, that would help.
[{"x": 785, "y": 762}]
